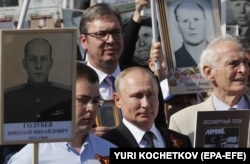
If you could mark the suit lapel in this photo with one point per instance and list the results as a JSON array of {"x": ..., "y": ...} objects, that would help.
[{"x": 129, "y": 138}]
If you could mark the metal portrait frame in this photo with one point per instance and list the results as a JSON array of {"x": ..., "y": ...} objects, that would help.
[
  {"x": 183, "y": 80},
  {"x": 108, "y": 114},
  {"x": 63, "y": 42}
]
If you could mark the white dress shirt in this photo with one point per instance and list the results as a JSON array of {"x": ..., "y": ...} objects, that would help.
[
  {"x": 242, "y": 104},
  {"x": 104, "y": 86},
  {"x": 138, "y": 135}
]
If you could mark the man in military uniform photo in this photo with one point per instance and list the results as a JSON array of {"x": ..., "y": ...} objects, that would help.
[{"x": 25, "y": 102}]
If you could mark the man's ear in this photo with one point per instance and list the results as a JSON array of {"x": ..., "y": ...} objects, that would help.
[
  {"x": 84, "y": 41},
  {"x": 208, "y": 72},
  {"x": 117, "y": 100},
  {"x": 151, "y": 64}
]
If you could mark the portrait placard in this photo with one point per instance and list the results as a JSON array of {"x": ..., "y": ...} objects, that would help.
[
  {"x": 38, "y": 70},
  {"x": 186, "y": 27},
  {"x": 108, "y": 114},
  {"x": 222, "y": 129}
]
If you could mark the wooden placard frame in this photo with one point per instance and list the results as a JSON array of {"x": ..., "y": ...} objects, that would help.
[
  {"x": 184, "y": 80},
  {"x": 221, "y": 129},
  {"x": 108, "y": 114},
  {"x": 63, "y": 42}
]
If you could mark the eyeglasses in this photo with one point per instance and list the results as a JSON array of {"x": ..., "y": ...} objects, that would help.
[
  {"x": 104, "y": 35},
  {"x": 85, "y": 101}
]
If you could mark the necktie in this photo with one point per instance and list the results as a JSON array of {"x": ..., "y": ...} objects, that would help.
[
  {"x": 148, "y": 136},
  {"x": 110, "y": 80}
]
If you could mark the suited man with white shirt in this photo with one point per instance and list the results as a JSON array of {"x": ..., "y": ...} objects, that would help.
[
  {"x": 223, "y": 63},
  {"x": 137, "y": 96}
]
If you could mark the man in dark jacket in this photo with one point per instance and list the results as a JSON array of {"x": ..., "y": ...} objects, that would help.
[{"x": 137, "y": 97}]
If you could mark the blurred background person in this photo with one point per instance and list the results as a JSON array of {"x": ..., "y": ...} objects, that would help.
[{"x": 241, "y": 13}]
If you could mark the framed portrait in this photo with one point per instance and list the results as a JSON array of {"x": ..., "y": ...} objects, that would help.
[
  {"x": 108, "y": 114},
  {"x": 38, "y": 68},
  {"x": 222, "y": 129},
  {"x": 186, "y": 27},
  {"x": 140, "y": 53}
]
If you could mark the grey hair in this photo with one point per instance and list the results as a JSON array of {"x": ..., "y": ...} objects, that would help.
[{"x": 210, "y": 56}]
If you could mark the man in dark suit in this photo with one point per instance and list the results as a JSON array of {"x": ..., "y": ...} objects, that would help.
[{"x": 137, "y": 96}]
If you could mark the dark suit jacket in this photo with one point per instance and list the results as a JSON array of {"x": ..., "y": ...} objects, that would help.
[
  {"x": 123, "y": 138},
  {"x": 183, "y": 58}
]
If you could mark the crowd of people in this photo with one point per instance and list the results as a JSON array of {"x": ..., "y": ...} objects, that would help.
[{"x": 149, "y": 116}]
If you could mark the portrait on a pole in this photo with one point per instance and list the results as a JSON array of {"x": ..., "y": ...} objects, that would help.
[
  {"x": 37, "y": 75},
  {"x": 186, "y": 27}
]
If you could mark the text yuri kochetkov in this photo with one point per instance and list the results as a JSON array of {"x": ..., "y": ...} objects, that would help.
[
  {"x": 156, "y": 155},
  {"x": 164, "y": 154}
]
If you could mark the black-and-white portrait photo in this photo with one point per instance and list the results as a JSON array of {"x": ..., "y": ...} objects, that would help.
[
  {"x": 144, "y": 39},
  {"x": 34, "y": 81},
  {"x": 38, "y": 73},
  {"x": 238, "y": 17},
  {"x": 191, "y": 27}
]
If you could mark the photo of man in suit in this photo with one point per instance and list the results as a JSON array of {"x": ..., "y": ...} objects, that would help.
[
  {"x": 192, "y": 25},
  {"x": 240, "y": 12}
]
